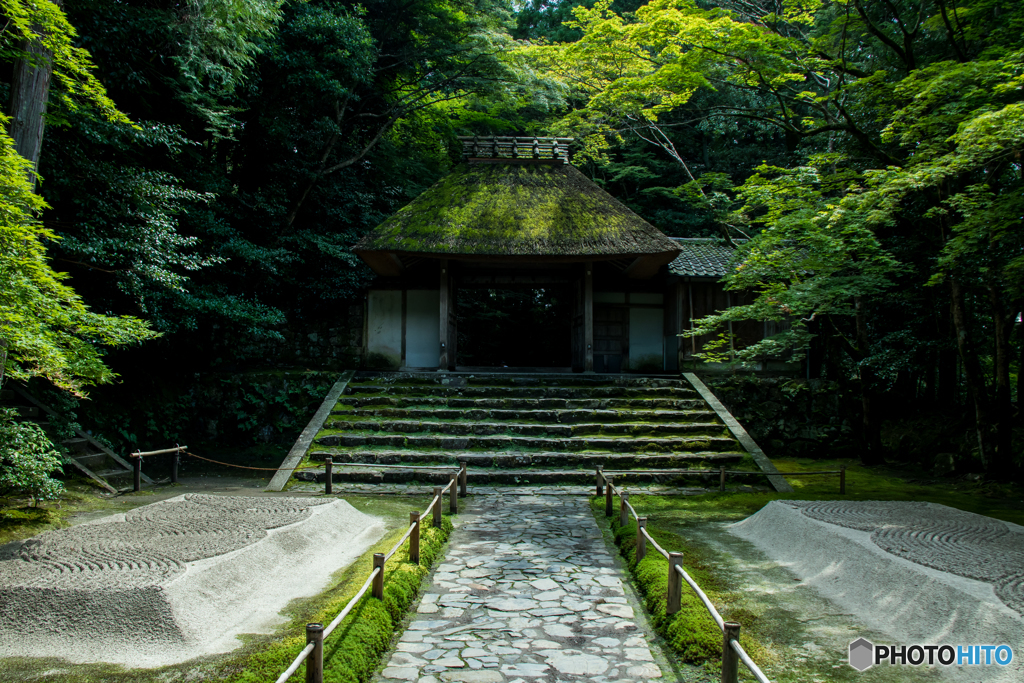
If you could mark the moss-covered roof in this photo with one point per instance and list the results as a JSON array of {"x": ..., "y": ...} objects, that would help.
[{"x": 506, "y": 209}]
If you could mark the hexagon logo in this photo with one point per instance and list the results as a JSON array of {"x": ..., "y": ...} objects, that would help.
[{"x": 862, "y": 654}]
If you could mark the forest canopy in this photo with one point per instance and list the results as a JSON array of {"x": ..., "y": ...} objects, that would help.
[{"x": 206, "y": 166}]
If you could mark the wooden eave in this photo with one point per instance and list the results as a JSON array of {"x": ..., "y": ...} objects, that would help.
[{"x": 638, "y": 267}]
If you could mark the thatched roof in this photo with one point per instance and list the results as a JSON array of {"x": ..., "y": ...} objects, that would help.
[
  {"x": 517, "y": 210},
  {"x": 702, "y": 257}
]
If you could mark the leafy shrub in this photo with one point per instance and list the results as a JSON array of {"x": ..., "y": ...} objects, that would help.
[{"x": 27, "y": 458}]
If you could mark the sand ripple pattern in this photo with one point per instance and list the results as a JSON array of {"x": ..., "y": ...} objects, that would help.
[
  {"x": 152, "y": 545},
  {"x": 937, "y": 536}
]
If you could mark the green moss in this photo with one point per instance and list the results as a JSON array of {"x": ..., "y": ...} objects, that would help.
[
  {"x": 516, "y": 209},
  {"x": 690, "y": 633},
  {"x": 993, "y": 499},
  {"x": 353, "y": 651}
]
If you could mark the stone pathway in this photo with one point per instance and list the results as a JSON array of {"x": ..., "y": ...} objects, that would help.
[{"x": 528, "y": 593}]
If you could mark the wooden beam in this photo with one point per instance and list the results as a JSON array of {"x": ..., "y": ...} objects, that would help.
[
  {"x": 646, "y": 266},
  {"x": 588, "y": 317},
  {"x": 385, "y": 263},
  {"x": 443, "y": 363}
]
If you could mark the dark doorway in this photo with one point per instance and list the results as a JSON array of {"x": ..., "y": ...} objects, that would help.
[{"x": 516, "y": 328}]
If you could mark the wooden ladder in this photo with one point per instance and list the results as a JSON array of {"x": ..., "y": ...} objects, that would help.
[{"x": 88, "y": 455}]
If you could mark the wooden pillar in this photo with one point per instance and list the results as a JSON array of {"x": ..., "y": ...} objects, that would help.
[
  {"x": 414, "y": 538},
  {"x": 443, "y": 363},
  {"x": 436, "y": 518},
  {"x": 730, "y": 660},
  {"x": 588, "y": 317},
  {"x": 315, "y": 660},
  {"x": 675, "y": 583},
  {"x": 680, "y": 327},
  {"x": 377, "y": 589},
  {"x": 641, "y": 540}
]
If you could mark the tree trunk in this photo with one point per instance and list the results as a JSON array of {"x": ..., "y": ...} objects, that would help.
[
  {"x": 1003, "y": 401},
  {"x": 974, "y": 376},
  {"x": 30, "y": 90},
  {"x": 1020, "y": 368},
  {"x": 873, "y": 454}
]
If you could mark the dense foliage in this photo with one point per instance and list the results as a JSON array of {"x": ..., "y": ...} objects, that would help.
[
  {"x": 889, "y": 234},
  {"x": 27, "y": 459},
  {"x": 207, "y": 166}
]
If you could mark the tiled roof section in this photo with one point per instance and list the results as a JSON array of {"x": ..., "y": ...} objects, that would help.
[{"x": 702, "y": 257}]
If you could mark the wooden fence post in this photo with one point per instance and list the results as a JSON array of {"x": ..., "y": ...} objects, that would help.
[
  {"x": 600, "y": 481},
  {"x": 453, "y": 495},
  {"x": 378, "y": 581},
  {"x": 721, "y": 478},
  {"x": 608, "y": 510},
  {"x": 623, "y": 510},
  {"x": 842, "y": 480},
  {"x": 329, "y": 475},
  {"x": 675, "y": 583},
  {"x": 414, "y": 538},
  {"x": 437, "y": 507},
  {"x": 315, "y": 660},
  {"x": 641, "y": 541},
  {"x": 463, "y": 476},
  {"x": 730, "y": 660},
  {"x": 137, "y": 471},
  {"x": 174, "y": 464}
]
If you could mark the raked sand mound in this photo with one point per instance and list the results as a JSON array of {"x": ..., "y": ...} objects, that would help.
[
  {"x": 172, "y": 580},
  {"x": 920, "y": 572}
]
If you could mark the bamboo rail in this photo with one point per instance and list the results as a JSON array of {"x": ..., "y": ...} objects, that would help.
[
  {"x": 137, "y": 457},
  {"x": 722, "y": 472},
  {"x": 732, "y": 652},
  {"x": 313, "y": 653}
]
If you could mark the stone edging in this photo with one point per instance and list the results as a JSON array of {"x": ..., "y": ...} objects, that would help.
[
  {"x": 302, "y": 444},
  {"x": 775, "y": 478}
]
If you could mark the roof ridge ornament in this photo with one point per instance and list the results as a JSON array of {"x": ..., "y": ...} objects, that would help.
[{"x": 498, "y": 148}]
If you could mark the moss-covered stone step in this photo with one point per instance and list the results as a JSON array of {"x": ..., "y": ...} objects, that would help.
[
  {"x": 524, "y": 403},
  {"x": 501, "y": 443},
  {"x": 515, "y": 459},
  {"x": 520, "y": 392},
  {"x": 624, "y": 429},
  {"x": 340, "y": 415},
  {"x": 583, "y": 478},
  {"x": 530, "y": 380}
]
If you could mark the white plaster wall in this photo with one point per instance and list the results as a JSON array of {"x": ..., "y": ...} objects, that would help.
[
  {"x": 423, "y": 328},
  {"x": 384, "y": 324},
  {"x": 646, "y": 335}
]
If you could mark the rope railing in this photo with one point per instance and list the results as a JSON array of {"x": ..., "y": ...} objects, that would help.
[
  {"x": 732, "y": 652},
  {"x": 313, "y": 653},
  {"x": 722, "y": 472}
]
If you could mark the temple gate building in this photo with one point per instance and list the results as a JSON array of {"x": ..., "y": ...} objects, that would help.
[{"x": 515, "y": 215}]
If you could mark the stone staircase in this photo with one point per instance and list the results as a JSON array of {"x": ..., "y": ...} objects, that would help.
[
  {"x": 518, "y": 429},
  {"x": 81, "y": 451}
]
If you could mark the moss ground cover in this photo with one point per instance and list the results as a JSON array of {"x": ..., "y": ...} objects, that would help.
[
  {"x": 351, "y": 654},
  {"x": 771, "y": 635},
  {"x": 690, "y": 633}
]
